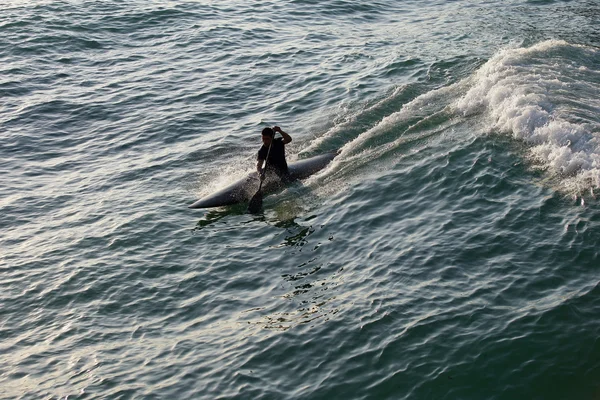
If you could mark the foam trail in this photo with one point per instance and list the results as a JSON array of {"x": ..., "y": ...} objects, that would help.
[
  {"x": 409, "y": 120},
  {"x": 545, "y": 95},
  {"x": 349, "y": 118},
  {"x": 424, "y": 116}
]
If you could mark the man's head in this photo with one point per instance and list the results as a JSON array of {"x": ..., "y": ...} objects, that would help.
[{"x": 267, "y": 136}]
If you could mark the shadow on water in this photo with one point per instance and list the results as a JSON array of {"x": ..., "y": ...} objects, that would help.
[
  {"x": 296, "y": 234},
  {"x": 285, "y": 220},
  {"x": 298, "y": 238},
  {"x": 215, "y": 215}
]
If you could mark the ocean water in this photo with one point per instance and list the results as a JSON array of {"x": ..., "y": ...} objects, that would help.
[{"x": 450, "y": 251}]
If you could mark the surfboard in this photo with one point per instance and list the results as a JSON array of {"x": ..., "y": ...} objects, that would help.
[{"x": 243, "y": 190}]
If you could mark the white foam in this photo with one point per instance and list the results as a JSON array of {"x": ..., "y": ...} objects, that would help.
[
  {"x": 348, "y": 167},
  {"x": 347, "y": 116},
  {"x": 537, "y": 95},
  {"x": 219, "y": 178},
  {"x": 427, "y": 104}
]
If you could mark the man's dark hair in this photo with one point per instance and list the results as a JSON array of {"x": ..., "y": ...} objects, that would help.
[{"x": 268, "y": 132}]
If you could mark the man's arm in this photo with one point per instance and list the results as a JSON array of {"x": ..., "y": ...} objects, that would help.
[{"x": 286, "y": 138}]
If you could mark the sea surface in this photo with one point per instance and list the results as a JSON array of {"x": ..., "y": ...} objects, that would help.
[{"x": 450, "y": 251}]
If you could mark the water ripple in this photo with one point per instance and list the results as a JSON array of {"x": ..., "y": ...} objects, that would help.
[{"x": 433, "y": 258}]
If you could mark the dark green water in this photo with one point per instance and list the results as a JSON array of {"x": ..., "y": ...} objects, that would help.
[{"x": 449, "y": 252}]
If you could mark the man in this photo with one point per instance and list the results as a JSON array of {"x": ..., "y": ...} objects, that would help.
[{"x": 276, "y": 156}]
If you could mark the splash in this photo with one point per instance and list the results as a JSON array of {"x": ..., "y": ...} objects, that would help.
[
  {"x": 218, "y": 178},
  {"x": 545, "y": 95}
]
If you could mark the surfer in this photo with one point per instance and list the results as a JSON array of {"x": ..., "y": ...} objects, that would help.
[{"x": 273, "y": 151}]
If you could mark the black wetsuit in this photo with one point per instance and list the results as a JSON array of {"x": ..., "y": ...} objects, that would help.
[{"x": 276, "y": 161}]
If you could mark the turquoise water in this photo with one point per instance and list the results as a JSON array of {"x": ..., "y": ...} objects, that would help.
[{"x": 451, "y": 251}]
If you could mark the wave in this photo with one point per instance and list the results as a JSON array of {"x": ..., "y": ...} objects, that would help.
[{"x": 546, "y": 96}]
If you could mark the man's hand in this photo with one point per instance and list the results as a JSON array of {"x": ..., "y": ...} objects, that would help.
[{"x": 286, "y": 138}]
